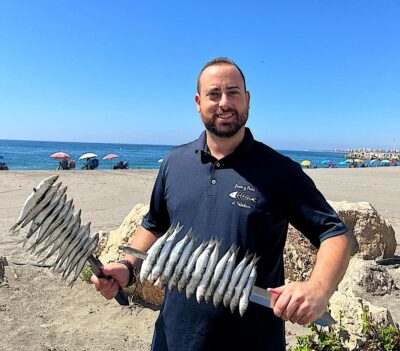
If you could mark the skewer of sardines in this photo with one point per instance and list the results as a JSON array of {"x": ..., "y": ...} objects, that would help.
[
  {"x": 198, "y": 270},
  {"x": 57, "y": 228}
]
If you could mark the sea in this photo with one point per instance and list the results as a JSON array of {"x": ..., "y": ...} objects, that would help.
[{"x": 35, "y": 155}]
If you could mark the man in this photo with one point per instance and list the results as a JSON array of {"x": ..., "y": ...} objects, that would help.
[{"x": 229, "y": 186}]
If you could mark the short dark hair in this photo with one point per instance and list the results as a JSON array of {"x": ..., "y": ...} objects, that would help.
[{"x": 220, "y": 61}]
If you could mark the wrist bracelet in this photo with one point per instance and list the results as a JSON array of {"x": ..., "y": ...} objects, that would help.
[{"x": 132, "y": 271}]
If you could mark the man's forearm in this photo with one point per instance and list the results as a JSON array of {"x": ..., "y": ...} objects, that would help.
[{"x": 332, "y": 260}]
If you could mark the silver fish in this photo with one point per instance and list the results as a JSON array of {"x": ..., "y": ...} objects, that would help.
[
  {"x": 223, "y": 284},
  {"x": 66, "y": 243},
  {"x": 187, "y": 272},
  {"x": 81, "y": 253},
  {"x": 47, "y": 222},
  {"x": 235, "y": 278},
  {"x": 152, "y": 255},
  {"x": 39, "y": 219},
  {"x": 56, "y": 233},
  {"x": 62, "y": 233},
  {"x": 84, "y": 258},
  {"x": 242, "y": 283},
  {"x": 201, "y": 265},
  {"x": 219, "y": 271},
  {"x": 183, "y": 260},
  {"x": 41, "y": 204},
  {"x": 173, "y": 259},
  {"x": 33, "y": 199},
  {"x": 165, "y": 251},
  {"x": 83, "y": 238},
  {"x": 59, "y": 219},
  {"x": 244, "y": 299},
  {"x": 208, "y": 273}
]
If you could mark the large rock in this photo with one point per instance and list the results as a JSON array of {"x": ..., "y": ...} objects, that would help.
[
  {"x": 110, "y": 242},
  {"x": 349, "y": 304},
  {"x": 108, "y": 251},
  {"x": 375, "y": 236}
]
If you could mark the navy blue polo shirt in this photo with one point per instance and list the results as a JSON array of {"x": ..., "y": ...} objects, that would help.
[{"x": 246, "y": 198}]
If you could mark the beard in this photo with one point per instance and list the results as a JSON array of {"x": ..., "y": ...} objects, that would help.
[{"x": 226, "y": 130}]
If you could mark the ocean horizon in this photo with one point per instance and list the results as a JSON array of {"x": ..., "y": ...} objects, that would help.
[{"x": 35, "y": 155}]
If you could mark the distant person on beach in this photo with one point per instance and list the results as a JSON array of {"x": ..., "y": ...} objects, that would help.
[
  {"x": 227, "y": 185},
  {"x": 72, "y": 164}
]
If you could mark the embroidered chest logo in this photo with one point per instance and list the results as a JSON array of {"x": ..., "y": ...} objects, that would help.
[{"x": 243, "y": 196}]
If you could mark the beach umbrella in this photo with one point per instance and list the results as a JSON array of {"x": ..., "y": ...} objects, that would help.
[
  {"x": 305, "y": 163},
  {"x": 325, "y": 162},
  {"x": 110, "y": 156},
  {"x": 60, "y": 155},
  {"x": 359, "y": 160},
  {"x": 349, "y": 160},
  {"x": 393, "y": 163},
  {"x": 385, "y": 161},
  {"x": 88, "y": 155},
  {"x": 373, "y": 161},
  {"x": 342, "y": 162}
]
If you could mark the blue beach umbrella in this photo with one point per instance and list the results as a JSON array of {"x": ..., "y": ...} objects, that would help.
[
  {"x": 385, "y": 161},
  {"x": 325, "y": 162},
  {"x": 349, "y": 160},
  {"x": 342, "y": 162}
]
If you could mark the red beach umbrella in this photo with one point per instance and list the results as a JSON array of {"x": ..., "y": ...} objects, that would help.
[
  {"x": 110, "y": 156},
  {"x": 60, "y": 155}
]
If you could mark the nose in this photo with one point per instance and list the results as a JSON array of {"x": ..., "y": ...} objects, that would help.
[{"x": 224, "y": 102}]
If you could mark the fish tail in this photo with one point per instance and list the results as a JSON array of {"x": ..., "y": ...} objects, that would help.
[{"x": 14, "y": 229}]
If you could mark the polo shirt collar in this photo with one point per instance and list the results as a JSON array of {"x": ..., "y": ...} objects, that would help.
[{"x": 243, "y": 147}]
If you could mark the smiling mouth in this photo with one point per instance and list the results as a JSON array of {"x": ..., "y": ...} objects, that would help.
[{"x": 225, "y": 116}]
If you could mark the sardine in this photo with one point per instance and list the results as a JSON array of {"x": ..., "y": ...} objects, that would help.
[
  {"x": 41, "y": 204},
  {"x": 219, "y": 271},
  {"x": 84, "y": 258},
  {"x": 42, "y": 235},
  {"x": 165, "y": 251},
  {"x": 82, "y": 240},
  {"x": 33, "y": 199},
  {"x": 66, "y": 243},
  {"x": 39, "y": 219},
  {"x": 56, "y": 233},
  {"x": 173, "y": 259},
  {"x": 62, "y": 233},
  {"x": 183, "y": 260},
  {"x": 223, "y": 284},
  {"x": 242, "y": 283},
  {"x": 201, "y": 265},
  {"x": 152, "y": 255},
  {"x": 81, "y": 253},
  {"x": 235, "y": 278},
  {"x": 208, "y": 273},
  {"x": 244, "y": 299},
  {"x": 187, "y": 272}
]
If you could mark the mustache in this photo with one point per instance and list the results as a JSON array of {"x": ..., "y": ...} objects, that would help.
[{"x": 217, "y": 113}]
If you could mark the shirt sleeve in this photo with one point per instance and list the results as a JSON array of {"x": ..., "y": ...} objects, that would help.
[
  {"x": 157, "y": 219},
  {"x": 308, "y": 211}
]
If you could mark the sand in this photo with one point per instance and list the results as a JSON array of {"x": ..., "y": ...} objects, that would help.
[{"x": 39, "y": 311}]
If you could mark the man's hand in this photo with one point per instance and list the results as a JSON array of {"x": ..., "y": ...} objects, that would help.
[
  {"x": 298, "y": 302},
  {"x": 118, "y": 276}
]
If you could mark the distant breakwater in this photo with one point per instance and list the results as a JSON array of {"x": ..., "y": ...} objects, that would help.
[{"x": 391, "y": 156}]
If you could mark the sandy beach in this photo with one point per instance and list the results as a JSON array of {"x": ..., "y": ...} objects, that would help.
[{"x": 36, "y": 309}]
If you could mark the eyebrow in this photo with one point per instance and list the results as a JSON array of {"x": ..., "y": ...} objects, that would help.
[{"x": 228, "y": 88}]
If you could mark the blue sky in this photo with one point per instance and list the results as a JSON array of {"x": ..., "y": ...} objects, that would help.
[{"x": 322, "y": 74}]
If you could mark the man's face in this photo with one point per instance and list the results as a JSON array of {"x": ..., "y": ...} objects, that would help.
[{"x": 223, "y": 103}]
